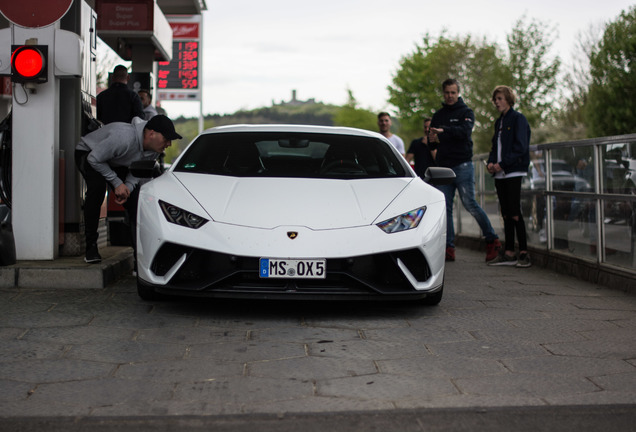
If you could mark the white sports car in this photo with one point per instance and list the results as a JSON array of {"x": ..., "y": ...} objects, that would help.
[{"x": 285, "y": 211}]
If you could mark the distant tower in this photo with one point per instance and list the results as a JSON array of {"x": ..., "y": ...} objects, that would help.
[{"x": 295, "y": 101}]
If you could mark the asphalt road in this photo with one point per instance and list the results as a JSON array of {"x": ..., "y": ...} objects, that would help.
[{"x": 507, "y": 349}]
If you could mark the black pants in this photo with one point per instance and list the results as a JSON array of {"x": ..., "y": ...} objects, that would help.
[
  {"x": 96, "y": 191},
  {"x": 509, "y": 194}
]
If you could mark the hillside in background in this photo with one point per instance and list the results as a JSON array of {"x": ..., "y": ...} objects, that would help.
[
  {"x": 308, "y": 112},
  {"x": 294, "y": 111}
]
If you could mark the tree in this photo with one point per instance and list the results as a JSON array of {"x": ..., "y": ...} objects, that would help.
[
  {"x": 569, "y": 122},
  {"x": 534, "y": 73},
  {"x": 416, "y": 89},
  {"x": 479, "y": 66},
  {"x": 351, "y": 116},
  {"x": 415, "y": 86},
  {"x": 611, "y": 103}
]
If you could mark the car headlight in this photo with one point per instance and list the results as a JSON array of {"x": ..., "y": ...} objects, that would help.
[
  {"x": 181, "y": 217},
  {"x": 403, "y": 222}
]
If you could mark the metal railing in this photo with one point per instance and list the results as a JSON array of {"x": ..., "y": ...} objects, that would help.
[{"x": 579, "y": 199}]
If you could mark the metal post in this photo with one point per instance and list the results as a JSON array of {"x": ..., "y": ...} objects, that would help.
[
  {"x": 598, "y": 189},
  {"x": 36, "y": 158},
  {"x": 549, "y": 211}
]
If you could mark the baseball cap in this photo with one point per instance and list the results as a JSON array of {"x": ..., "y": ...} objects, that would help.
[{"x": 162, "y": 124}]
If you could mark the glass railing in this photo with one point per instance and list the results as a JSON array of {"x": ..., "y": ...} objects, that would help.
[{"x": 579, "y": 198}]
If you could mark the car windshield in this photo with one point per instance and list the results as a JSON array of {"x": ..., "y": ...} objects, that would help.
[{"x": 305, "y": 155}]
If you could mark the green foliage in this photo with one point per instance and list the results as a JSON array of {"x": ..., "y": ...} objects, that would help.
[
  {"x": 533, "y": 73},
  {"x": 416, "y": 86},
  {"x": 484, "y": 72},
  {"x": 611, "y": 102},
  {"x": 352, "y": 116},
  {"x": 188, "y": 129},
  {"x": 479, "y": 66},
  {"x": 307, "y": 113},
  {"x": 417, "y": 91}
]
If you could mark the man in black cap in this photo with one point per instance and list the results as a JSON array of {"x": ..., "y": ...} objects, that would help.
[{"x": 103, "y": 158}]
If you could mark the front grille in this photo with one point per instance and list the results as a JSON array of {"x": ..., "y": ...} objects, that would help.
[{"x": 368, "y": 274}]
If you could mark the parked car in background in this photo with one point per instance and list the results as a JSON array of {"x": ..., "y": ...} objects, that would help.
[
  {"x": 620, "y": 167},
  {"x": 533, "y": 187},
  {"x": 619, "y": 177}
]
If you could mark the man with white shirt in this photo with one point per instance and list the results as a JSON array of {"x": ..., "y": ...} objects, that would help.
[
  {"x": 146, "y": 101},
  {"x": 384, "y": 124}
]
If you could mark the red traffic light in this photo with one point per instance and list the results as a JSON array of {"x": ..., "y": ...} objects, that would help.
[{"x": 29, "y": 64}]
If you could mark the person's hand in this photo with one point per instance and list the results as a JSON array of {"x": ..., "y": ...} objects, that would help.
[
  {"x": 121, "y": 194},
  {"x": 432, "y": 136},
  {"x": 491, "y": 168}
]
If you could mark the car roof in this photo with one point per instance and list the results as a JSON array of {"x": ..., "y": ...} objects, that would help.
[{"x": 336, "y": 130}]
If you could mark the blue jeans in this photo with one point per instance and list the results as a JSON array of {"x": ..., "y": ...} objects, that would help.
[{"x": 465, "y": 183}]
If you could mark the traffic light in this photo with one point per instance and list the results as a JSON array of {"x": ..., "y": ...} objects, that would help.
[{"x": 29, "y": 63}]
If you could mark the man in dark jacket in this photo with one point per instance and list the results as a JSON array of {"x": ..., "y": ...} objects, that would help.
[
  {"x": 451, "y": 130},
  {"x": 508, "y": 162},
  {"x": 420, "y": 153},
  {"x": 118, "y": 103}
]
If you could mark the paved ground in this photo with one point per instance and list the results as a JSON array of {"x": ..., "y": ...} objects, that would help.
[{"x": 505, "y": 345}]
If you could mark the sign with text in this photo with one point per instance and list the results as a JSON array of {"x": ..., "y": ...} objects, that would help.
[
  {"x": 179, "y": 79},
  {"x": 130, "y": 15}
]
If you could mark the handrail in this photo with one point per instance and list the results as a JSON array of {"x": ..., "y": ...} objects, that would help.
[{"x": 585, "y": 182}]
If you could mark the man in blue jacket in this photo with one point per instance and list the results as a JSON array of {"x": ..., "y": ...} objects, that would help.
[
  {"x": 508, "y": 162},
  {"x": 450, "y": 134}
]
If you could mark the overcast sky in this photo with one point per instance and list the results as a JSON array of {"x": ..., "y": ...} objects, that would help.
[{"x": 256, "y": 52}]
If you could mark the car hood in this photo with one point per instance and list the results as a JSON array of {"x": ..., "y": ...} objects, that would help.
[{"x": 272, "y": 202}]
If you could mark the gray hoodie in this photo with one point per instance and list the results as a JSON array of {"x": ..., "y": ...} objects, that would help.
[{"x": 116, "y": 145}]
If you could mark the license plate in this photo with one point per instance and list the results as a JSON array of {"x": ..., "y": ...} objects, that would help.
[{"x": 293, "y": 268}]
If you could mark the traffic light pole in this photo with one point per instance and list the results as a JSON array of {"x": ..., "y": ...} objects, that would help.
[{"x": 35, "y": 210}]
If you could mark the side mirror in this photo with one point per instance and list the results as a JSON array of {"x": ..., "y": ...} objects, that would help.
[
  {"x": 145, "y": 169},
  {"x": 439, "y": 176}
]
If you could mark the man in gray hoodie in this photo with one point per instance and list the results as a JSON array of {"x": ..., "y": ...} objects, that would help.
[{"x": 103, "y": 158}]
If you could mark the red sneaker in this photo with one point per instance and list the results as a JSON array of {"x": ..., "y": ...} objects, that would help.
[
  {"x": 492, "y": 249},
  {"x": 450, "y": 254}
]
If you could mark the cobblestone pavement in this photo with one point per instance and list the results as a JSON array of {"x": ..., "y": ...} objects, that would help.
[{"x": 501, "y": 337}]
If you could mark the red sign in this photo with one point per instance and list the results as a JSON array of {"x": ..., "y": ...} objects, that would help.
[
  {"x": 185, "y": 30},
  {"x": 34, "y": 13},
  {"x": 136, "y": 15},
  {"x": 179, "y": 79},
  {"x": 183, "y": 71}
]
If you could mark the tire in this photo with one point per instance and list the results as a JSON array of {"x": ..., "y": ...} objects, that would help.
[{"x": 433, "y": 299}]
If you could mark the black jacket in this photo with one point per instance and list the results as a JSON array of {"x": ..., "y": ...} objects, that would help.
[
  {"x": 118, "y": 103},
  {"x": 515, "y": 142},
  {"x": 421, "y": 155},
  {"x": 456, "y": 145}
]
